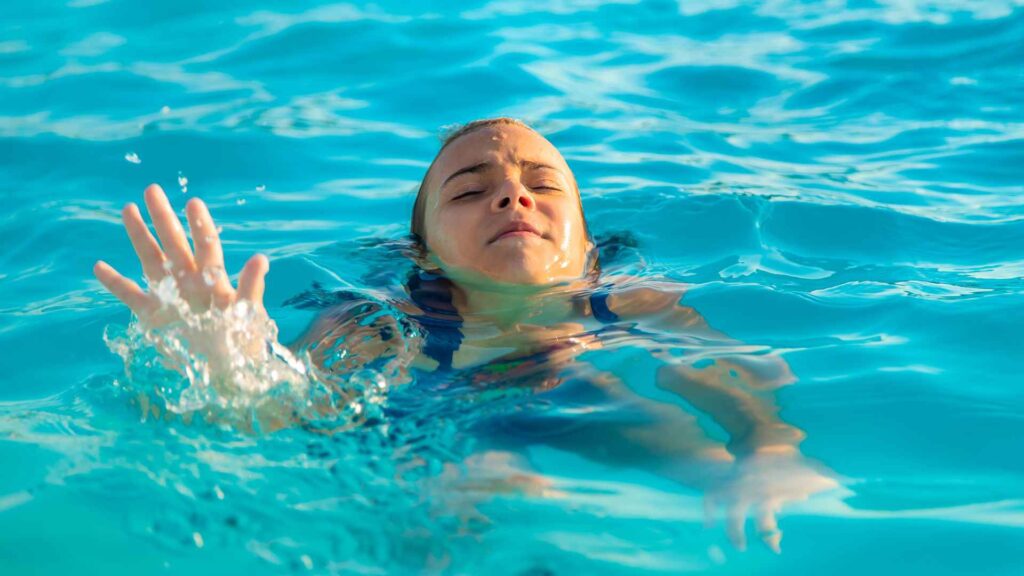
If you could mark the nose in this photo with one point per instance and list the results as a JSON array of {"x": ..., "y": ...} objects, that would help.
[{"x": 512, "y": 194}]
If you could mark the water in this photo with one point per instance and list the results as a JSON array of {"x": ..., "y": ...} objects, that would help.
[{"x": 837, "y": 182}]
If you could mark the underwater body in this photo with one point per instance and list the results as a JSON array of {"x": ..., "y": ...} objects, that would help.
[{"x": 835, "y": 184}]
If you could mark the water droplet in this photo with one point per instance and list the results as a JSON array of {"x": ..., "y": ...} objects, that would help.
[
  {"x": 240, "y": 201},
  {"x": 218, "y": 492},
  {"x": 306, "y": 561},
  {"x": 183, "y": 182},
  {"x": 133, "y": 158},
  {"x": 211, "y": 274},
  {"x": 261, "y": 188},
  {"x": 168, "y": 265},
  {"x": 198, "y": 539},
  {"x": 220, "y": 229},
  {"x": 165, "y": 110},
  {"x": 208, "y": 239}
]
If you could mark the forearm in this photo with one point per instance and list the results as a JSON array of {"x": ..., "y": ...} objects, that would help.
[{"x": 750, "y": 419}]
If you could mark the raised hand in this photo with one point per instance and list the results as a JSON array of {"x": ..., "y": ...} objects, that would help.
[{"x": 199, "y": 274}]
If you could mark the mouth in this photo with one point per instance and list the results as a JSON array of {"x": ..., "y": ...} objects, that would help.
[{"x": 516, "y": 230}]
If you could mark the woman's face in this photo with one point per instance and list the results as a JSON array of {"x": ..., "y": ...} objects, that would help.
[{"x": 502, "y": 205}]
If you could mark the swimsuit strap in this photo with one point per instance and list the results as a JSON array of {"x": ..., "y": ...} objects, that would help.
[
  {"x": 443, "y": 338},
  {"x": 440, "y": 321},
  {"x": 599, "y": 306}
]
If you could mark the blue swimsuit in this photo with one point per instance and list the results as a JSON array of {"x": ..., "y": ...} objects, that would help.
[{"x": 444, "y": 334}]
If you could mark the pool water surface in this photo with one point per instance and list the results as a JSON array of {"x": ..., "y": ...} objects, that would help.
[{"x": 835, "y": 184}]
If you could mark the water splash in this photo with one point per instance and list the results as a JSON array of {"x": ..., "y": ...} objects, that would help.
[
  {"x": 133, "y": 158},
  {"x": 334, "y": 480},
  {"x": 225, "y": 366},
  {"x": 211, "y": 274}
]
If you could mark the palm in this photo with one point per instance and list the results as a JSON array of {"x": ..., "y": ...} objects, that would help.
[
  {"x": 198, "y": 274},
  {"x": 762, "y": 484}
]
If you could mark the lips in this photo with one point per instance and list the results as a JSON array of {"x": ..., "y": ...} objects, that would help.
[{"x": 516, "y": 229}]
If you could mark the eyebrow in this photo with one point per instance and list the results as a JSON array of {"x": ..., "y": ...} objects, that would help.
[{"x": 485, "y": 165}]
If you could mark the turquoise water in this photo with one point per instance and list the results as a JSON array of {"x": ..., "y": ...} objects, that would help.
[{"x": 840, "y": 183}]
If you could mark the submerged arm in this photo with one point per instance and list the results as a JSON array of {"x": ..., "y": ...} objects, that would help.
[
  {"x": 733, "y": 388},
  {"x": 750, "y": 418},
  {"x": 737, "y": 391}
]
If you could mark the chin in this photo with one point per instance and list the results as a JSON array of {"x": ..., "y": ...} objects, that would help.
[
  {"x": 519, "y": 267},
  {"x": 514, "y": 265}
]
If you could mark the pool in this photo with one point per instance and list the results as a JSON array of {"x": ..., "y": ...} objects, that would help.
[{"x": 836, "y": 183}]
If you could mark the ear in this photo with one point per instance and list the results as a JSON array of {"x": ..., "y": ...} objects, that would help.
[
  {"x": 423, "y": 259},
  {"x": 593, "y": 262}
]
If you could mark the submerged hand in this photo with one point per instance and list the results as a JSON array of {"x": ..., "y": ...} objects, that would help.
[
  {"x": 764, "y": 482},
  {"x": 199, "y": 275}
]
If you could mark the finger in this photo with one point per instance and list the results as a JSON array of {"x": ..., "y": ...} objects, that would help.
[
  {"x": 767, "y": 525},
  {"x": 736, "y": 524},
  {"x": 168, "y": 229},
  {"x": 205, "y": 238},
  {"x": 125, "y": 290},
  {"x": 146, "y": 246},
  {"x": 251, "y": 279}
]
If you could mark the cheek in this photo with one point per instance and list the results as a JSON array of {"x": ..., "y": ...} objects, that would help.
[
  {"x": 568, "y": 225},
  {"x": 452, "y": 236}
]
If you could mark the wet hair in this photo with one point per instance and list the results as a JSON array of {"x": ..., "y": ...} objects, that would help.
[{"x": 417, "y": 227}]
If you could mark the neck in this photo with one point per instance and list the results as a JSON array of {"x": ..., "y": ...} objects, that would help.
[{"x": 508, "y": 305}]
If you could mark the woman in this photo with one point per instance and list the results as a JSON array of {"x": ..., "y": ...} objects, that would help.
[{"x": 508, "y": 287}]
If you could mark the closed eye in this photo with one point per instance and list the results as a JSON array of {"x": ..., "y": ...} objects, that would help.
[{"x": 467, "y": 193}]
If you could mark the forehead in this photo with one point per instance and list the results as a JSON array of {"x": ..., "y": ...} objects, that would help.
[{"x": 502, "y": 143}]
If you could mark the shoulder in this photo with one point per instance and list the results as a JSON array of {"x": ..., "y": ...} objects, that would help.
[
  {"x": 629, "y": 295},
  {"x": 354, "y": 314},
  {"x": 357, "y": 331},
  {"x": 632, "y": 298}
]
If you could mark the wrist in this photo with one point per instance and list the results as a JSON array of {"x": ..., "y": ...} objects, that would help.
[
  {"x": 774, "y": 439},
  {"x": 776, "y": 450}
]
